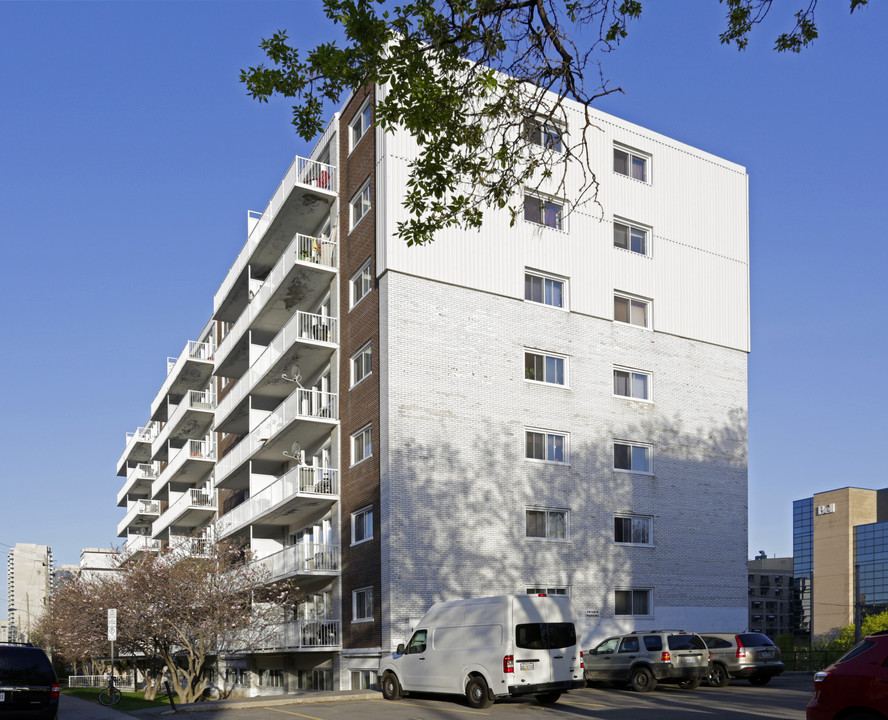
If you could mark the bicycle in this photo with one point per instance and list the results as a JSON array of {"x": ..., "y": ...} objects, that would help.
[{"x": 110, "y": 695}]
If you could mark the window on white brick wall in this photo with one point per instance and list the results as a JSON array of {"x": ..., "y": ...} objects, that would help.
[
  {"x": 632, "y": 457},
  {"x": 546, "y": 446},
  {"x": 545, "y": 290},
  {"x": 632, "y": 310},
  {"x": 548, "y": 590},
  {"x": 543, "y": 210},
  {"x": 633, "y": 529},
  {"x": 545, "y": 368},
  {"x": 546, "y": 523},
  {"x": 633, "y": 602},
  {"x": 634, "y": 384},
  {"x": 631, "y": 237},
  {"x": 632, "y": 163},
  {"x": 545, "y": 133}
]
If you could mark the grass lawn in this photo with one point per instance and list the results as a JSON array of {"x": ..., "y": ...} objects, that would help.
[{"x": 129, "y": 701}]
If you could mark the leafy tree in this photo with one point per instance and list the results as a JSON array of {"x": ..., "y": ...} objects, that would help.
[
  {"x": 181, "y": 610},
  {"x": 844, "y": 638},
  {"x": 473, "y": 82}
]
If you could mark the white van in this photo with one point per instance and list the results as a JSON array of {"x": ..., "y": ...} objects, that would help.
[{"x": 487, "y": 648}]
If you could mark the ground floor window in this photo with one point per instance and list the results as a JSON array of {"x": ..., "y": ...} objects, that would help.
[
  {"x": 314, "y": 680},
  {"x": 363, "y": 680},
  {"x": 236, "y": 676},
  {"x": 271, "y": 677},
  {"x": 632, "y": 602}
]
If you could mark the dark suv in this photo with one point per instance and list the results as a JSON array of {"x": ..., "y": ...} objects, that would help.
[
  {"x": 28, "y": 684},
  {"x": 644, "y": 658},
  {"x": 854, "y": 687}
]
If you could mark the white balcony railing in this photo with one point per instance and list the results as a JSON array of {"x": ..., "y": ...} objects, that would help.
[
  {"x": 303, "y": 479},
  {"x": 300, "y": 634},
  {"x": 147, "y": 508},
  {"x": 142, "y": 471},
  {"x": 302, "y": 558},
  {"x": 141, "y": 435},
  {"x": 191, "y": 499},
  {"x": 141, "y": 543},
  {"x": 302, "y": 248},
  {"x": 186, "y": 545},
  {"x": 303, "y": 403},
  {"x": 193, "y": 450},
  {"x": 194, "y": 350},
  {"x": 302, "y": 327},
  {"x": 303, "y": 172}
]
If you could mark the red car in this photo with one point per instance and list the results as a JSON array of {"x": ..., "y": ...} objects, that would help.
[{"x": 854, "y": 687}]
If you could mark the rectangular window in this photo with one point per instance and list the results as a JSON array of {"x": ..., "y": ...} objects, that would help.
[
  {"x": 633, "y": 529},
  {"x": 551, "y": 447},
  {"x": 634, "y": 458},
  {"x": 361, "y": 283},
  {"x": 632, "y": 384},
  {"x": 632, "y": 602},
  {"x": 362, "y": 445},
  {"x": 561, "y": 590},
  {"x": 363, "y": 680},
  {"x": 543, "y": 211},
  {"x": 631, "y": 237},
  {"x": 361, "y": 364},
  {"x": 361, "y": 124},
  {"x": 362, "y": 604},
  {"x": 548, "y": 524},
  {"x": 632, "y": 163},
  {"x": 362, "y": 525},
  {"x": 632, "y": 310},
  {"x": 544, "y": 290},
  {"x": 544, "y": 368},
  {"x": 545, "y": 134},
  {"x": 360, "y": 204},
  {"x": 272, "y": 677}
]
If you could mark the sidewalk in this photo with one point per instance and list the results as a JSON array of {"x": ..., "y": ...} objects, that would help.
[
  {"x": 296, "y": 698},
  {"x": 72, "y": 708}
]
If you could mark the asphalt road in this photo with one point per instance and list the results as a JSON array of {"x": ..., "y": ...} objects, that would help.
[{"x": 783, "y": 699}]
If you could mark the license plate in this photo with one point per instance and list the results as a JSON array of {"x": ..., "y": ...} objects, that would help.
[
  {"x": 765, "y": 653},
  {"x": 690, "y": 659},
  {"x": 2, "y": 697},
  {"x": 525, "y": 666}
]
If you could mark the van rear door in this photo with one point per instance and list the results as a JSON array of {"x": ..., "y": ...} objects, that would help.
[{"x": 532, "y": 659}]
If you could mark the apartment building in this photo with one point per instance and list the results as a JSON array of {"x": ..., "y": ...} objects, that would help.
[
  {"x": 840, "y": 541},
  {"x": 29, "y": 578},
  {"x": 771, "y": 595},
  {"x": 557, "y": 405}
]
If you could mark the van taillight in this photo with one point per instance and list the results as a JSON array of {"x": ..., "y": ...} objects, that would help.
[
  {"x": 665, "y": 657},
  {"x": 54, "y": 691},
  {"x": 542, "y": 595},
  {"x": 509, "y": 664},
  {"x": 582, "y": 664},
  {"x": 741, "y": 651}
]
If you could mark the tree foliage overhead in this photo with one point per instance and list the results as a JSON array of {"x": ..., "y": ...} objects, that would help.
[{"x": 470, "y": 80}]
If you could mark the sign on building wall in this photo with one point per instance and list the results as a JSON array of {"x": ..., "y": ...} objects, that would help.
[{"x": 826, "y": 509}]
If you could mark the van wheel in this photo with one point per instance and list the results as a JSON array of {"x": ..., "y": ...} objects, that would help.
[
  {"x": 690, "y": 683},
  {"x": 391, "y": 688},
  {"x": 642, "y": 680},
  {"x": 759, "y": 679},
  {"x": 476, "y": 693},
  {"x": 719, "y": 676},
  {"x": 548, "y": 698}
]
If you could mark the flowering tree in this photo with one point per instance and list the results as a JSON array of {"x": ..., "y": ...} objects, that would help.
[{"x": 179, "y": 609}]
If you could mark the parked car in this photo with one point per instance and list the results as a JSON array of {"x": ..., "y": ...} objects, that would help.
[
  {"x": 644, "y": 658},
  {"x": 751, "y": 656},
  {"x": 29, "y": 687},
  {"x": 854, "y": 687},
  {"x": 487, "y": 648}
]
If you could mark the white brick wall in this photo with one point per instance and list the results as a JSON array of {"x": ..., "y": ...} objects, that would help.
[{"x": 455, "y": 482}]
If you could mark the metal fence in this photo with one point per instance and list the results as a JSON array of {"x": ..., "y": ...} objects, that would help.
[
  {"x": 810, "y": 660},
  {"x": 87, "y": 681}
]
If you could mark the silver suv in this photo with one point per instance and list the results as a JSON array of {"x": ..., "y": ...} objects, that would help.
[
  {"x": 644, "y": 658},
  {"x": 742, "y": 655}
]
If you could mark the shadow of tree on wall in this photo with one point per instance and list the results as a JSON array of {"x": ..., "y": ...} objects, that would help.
[{"x": 460, "y": 511}]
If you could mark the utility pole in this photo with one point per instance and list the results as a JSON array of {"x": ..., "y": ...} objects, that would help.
[{"x": 858, "y": 608}]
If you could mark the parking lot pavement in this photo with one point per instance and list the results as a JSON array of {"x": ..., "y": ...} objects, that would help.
[{"x": 783, "y": 699}]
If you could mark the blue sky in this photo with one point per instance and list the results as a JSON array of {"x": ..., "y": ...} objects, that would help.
[{"x": 130, "y": 155}]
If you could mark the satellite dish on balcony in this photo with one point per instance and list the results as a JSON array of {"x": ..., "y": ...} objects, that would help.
[
  {"x": 293, "y": 375},
  {"x": 296, "y": 453}
]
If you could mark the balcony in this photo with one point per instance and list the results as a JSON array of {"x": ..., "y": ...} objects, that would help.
[
  {"x": 189, "y": 466},
  {"x": 190, "y": 371},
  {"x": 295, "y": 498},
  {"x": 140, "y": 543},
  {"x": 138, "y": 482},
  {"x": 299, "y": 205},
  {"x": 308, "y": 337},
  {"x": 307, "y": 416},
  {"x": 195, "y": 508},
  {"x": 191, "y": 546},
  {"x": 191, "y": 418},
  {"x": 302, "y": 559},
  {"x": 299, "y": 635},
  {"x": 138, "y": 447},
  {"x": 141, "y": 514},
  {"x": 294, "y": 279}
]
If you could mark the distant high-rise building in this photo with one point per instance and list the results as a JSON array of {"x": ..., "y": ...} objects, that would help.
[
  {"x": 770, "y": 595},
  {"x": 29, "y": 576}
]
